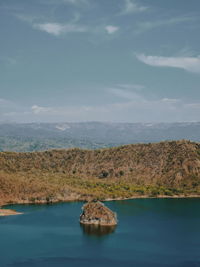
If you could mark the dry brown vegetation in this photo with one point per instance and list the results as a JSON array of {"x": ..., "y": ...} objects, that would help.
[{"x": 166, "y": 168}]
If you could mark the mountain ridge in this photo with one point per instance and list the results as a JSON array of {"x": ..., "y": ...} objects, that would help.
[
  {"x": 165, "y": 168},
  {"x": 90, "y": 135}
]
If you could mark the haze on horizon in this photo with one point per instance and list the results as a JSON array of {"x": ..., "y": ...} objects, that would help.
[{"x": 99, "y": 60}]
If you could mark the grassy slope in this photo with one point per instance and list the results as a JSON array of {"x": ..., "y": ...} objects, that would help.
[{"x": 166, "y": 168}]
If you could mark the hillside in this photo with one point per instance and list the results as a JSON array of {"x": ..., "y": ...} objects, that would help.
[
  {"x": 166, "y": 168},
  {"x": 30, "y": 137}
]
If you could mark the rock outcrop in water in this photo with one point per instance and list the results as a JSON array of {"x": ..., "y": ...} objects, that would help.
[{"x": 96, "y": 213}]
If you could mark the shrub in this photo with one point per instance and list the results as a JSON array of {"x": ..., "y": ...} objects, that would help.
[{"x": 103, "y": 174}]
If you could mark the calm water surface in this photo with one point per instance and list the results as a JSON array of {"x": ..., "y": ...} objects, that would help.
[{"x": 151, "y": 232}]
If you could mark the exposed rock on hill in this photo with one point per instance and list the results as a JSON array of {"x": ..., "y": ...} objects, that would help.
[{"x": 97, "y": 213}]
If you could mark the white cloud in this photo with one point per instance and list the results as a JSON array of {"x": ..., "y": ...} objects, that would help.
[
  {"x": 111, "y": 29},
  {"x": 10, "y": 61},
  {"x": 138, "y": 99},
  {"x": 38, "y": 109},
  {"x": 58, "y": 28},
  {"x": 131, "y": 6},
  {"x": 170, "y": 100},
  {"x": 71, "y": 2},
  {"x": 193, "y": 105},
  {"x": 129, "y": 106},
  {"x": 137, "y": 87},
  {"x": 27, "y": 18},
  {"x": 76, "y": 2},
  {"x": 126, "y": 94},
  {"x": 5, "y": 102},
  {"x": 52, "y": 28},
  {"x": 55, "y": 28},
  {"x": 133, "y": 108},
  {"x": 149, "y": 25},
  {"x": 191, "y": 64}
]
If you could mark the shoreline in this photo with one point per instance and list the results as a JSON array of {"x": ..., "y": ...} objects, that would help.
[
  {"x": 153, "y": 197},
  {"x": 10, "y": 212}
]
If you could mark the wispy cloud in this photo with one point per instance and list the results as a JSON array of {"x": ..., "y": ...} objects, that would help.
[
  {"x": 191, "y": 64},
  {"x": 149, "y": 25},
  {"x": 126, "y": 94},
  {"x": 9, "y": 109},
  {"x": 57, "y": 29},
  {"x": 9, "y": 61},
  {"x": 129, "y": 92},
  {"x": 54, "y": 28},
  {"x": 76, "y": 3},
  {"x": 111, "y": 29},
  {"x": 132, "y": 6},
  {"x": 5, "y": 103},
  {"x": 38, "y": 109},
  {"x": 73, "y": 26},
  {"x": 136, "y": 87},
  {"x": 170, "y": 100},
  {"x": 142, "y": 109},
  {"x": 28, "y": 18},
  {"x": 130, "y": 106}
]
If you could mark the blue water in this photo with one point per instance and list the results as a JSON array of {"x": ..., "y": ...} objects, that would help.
[{"x": 151, "y": 232}]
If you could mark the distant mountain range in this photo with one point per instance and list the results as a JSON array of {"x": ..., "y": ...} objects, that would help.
[{"x": 90, "y": 135}]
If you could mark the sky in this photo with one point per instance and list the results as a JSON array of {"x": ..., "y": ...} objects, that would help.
[{"x": 99, "y": 60}]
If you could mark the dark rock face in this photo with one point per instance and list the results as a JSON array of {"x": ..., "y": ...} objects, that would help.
[{"x": 97, "y": 213}]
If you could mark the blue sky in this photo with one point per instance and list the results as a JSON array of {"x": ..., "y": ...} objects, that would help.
[{"x": 99, "y": 60}]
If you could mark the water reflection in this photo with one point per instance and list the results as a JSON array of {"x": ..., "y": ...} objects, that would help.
[{"x": 97, "y": 230}]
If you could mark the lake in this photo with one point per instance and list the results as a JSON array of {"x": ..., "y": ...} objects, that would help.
[{"x": 151, "y": 232}]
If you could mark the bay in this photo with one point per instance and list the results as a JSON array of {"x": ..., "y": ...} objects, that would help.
[{"x": 150, "y": 232}]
